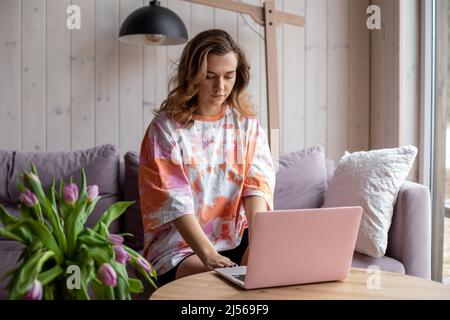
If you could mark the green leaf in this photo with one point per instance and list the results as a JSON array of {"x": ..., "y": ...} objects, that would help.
[
  {"x": 33, "y": 169},
  {"x": 109, "y": 293},
  {"x": 60, "y": 194},
  {"x": 38, "y": 213},
  {"x": 86, "y": 276},
  {"x": 26, "y": 213},
  {"x": 10, "y": 235},
  {"x": 93, "y": 239},
  {"x": 72, "y": 226},
  {"x": 120, "y": 269},
  {"x": 49, "y": 292},
  {"x": 33, "y": 247},
  {"x": 51, "y": 214},
  {"x": 100, "y": 255},
  {"x": 21, "y": 187},
  {"x": 88, "y": 271},
  {"x": 114, "y": 212},
  {"x": 98, "y": 288},
  {"x": 64, "y": 209},
  {"x": 8, "y": 220},
  {"x": 19, "y": 231},
  {"x": 125, "y": 234},
  {"x": 25, "y": 275},
  {"x": 5, "y": 217},
  {"x": 146, "y": 276},
  {"x": 135, "y": 285},
  {"x": 45, "y": 235},
  {"x": 121, "y": 289},
  {"x": 49, "y": 275},
  {"x": 103, "y": 230},
  {"x": 83, "y": 192},
  {"x": 52, "y": 196},
  {"x": 89, "y": 209}
]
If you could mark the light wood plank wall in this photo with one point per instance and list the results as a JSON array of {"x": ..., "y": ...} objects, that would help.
[
  {"x": 395, "y": 78},
  {"x": 65, "y": 90}
]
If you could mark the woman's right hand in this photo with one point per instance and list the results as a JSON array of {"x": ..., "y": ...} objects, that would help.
[{"x": 216, "y": 260}]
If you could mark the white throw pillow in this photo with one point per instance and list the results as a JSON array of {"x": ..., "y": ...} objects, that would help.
[{"x": 372, "y": 180}]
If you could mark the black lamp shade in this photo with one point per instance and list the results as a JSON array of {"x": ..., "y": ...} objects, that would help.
[{"x": 154, "y": 25}]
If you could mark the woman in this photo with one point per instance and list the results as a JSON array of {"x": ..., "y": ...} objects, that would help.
[{"x": 205, "y": 166}]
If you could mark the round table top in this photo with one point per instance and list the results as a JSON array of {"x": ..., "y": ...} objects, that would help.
[{"x": 361, "y": 284}]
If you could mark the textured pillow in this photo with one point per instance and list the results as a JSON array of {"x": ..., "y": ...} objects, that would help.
[
  {"x": 132, "y": 217},
  {"x": 301, "y": 179},
  {"x": 371, "y": 180},
  {"x": 101, "y": 166}
]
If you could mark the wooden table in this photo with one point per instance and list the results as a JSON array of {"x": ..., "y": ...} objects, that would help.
[{"x": 360, "y": 285}]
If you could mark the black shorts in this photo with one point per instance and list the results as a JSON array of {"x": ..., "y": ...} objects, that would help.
[{"x": 234, "y": 255}]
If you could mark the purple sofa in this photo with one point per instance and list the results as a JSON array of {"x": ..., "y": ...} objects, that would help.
[{"x": 409, "y": 249}]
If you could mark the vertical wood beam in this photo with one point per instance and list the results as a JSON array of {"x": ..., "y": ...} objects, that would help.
[{"x": 274, "y": 134}]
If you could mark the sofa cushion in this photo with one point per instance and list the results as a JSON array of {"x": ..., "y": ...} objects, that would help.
[
  {"x": 301, "y": 179},
  {"x": 6, "y": 161},
  {"x": 101, "y": 165},
  {"x": 371, "y": 180},
  {"x": 384, "y": 263},
  {"x": 132, "y": 221},
  {"x": 9, "y": 252}
]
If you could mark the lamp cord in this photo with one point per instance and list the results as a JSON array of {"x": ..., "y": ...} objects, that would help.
[{"x": 248, "y": 24}]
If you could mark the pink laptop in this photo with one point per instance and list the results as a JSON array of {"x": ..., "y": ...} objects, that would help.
[{"x": 292, "y": 247}]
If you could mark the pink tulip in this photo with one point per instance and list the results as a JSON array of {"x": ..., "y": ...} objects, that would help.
[
  {"x": 107, "y": 275},
  {"x": 35, "y": 292},
  {"x": 122, "y": 256},
  {"x": 144, "y": 264},
  {"x": 28, "y": 198},
  {"x": 92, "y": 192},
  {"x": 116, "y": 239},
  {"x": 70, "y": 193}
]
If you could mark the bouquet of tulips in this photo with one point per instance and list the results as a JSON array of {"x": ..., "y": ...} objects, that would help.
[{"x": 63, "y": 259}]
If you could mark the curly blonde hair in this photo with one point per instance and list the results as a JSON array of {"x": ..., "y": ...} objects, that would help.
[{"x": 181, "y": 101}]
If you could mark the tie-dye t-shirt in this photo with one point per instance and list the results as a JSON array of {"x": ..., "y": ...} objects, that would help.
[{"x": 204, "y": 170}]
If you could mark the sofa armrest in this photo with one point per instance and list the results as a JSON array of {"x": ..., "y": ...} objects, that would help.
[{"x": 409, "y": 239}]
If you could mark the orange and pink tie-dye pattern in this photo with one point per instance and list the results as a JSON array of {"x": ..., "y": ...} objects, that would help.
[{"x": 203, "y": 170}]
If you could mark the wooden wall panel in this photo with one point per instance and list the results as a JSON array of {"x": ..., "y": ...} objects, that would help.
[
  {"x": 107, "y": 72},
  {"x": 149, "y": 86},
  {"x": 130, "y": 86},
  {"x": 183, "y": 10},
  {"x": 226, "y": 20},
  {"x": 338, "y": 78},
  {"x": 33, "y": 75},
  {"x": 65, "y": 90},
  {"x": 384, "y": 113},
  {"x": 58, "y": 77},
  {"x": 359, "y": 73},
  {"x": 251, "y": 44},
  {"x": 202, "y": 18},
  {"x": 316, "y": 73},
  {"x": 83, "y": 78},
  {"x": 409, "y": 95},
  {"x": 293, "y": 109},
  {"x": 10, "y": 75}
]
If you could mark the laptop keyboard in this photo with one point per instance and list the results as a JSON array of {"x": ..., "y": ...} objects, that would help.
[{"x": 239, "y": 277}]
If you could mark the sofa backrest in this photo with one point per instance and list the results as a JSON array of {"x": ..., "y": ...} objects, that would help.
[
  {"x": 132, "y": 222},
  {"x": 101, "y": 166}
]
